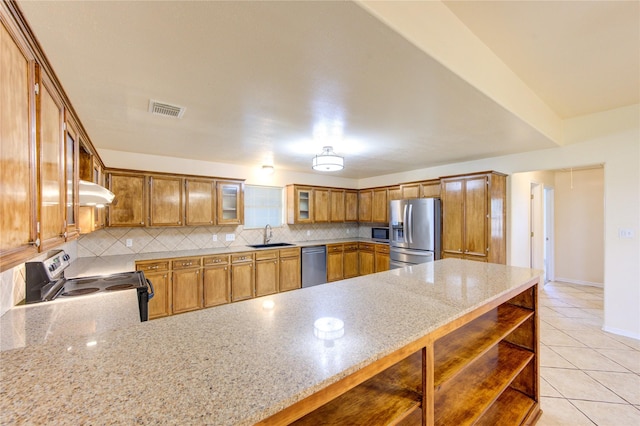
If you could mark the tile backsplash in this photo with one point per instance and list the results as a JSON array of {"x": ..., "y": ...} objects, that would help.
[{"x": 113, "y": 241}]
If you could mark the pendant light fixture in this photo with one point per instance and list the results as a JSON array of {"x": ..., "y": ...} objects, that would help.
[{"x": 328, "y": 161}]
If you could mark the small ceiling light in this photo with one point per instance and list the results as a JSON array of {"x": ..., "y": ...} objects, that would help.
[
  {"x": 328, "y": 161},
  {"x": 267, "y": 170}
]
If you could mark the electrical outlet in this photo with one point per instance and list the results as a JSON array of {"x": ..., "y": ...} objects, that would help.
[
  {"x": 625, "y": 233},
  {"x": 214, "y": 237},
  {"x": 231, "y": 237},
  {"x": 308, "y": 233},
  {"x": 129, "y": 242}
]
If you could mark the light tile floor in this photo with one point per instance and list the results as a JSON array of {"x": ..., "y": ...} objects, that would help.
[{"x": 587, "y": 376}]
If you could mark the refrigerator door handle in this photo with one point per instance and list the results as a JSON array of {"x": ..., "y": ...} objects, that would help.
[
  {"x": 410, "y": 223},
  {"x": 404, "y": 223}
]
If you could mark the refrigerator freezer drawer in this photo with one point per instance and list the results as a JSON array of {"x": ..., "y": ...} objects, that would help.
[{"x": 410, "y": 256}]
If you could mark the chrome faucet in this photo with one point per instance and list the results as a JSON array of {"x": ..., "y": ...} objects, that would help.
[{"x": 267, "y": 237}]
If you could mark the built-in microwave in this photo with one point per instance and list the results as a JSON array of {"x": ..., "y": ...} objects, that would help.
[{"x": 380, "y": 234}]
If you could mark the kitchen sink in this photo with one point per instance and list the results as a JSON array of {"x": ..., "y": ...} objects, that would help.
[{"x": 271, "y": 245}]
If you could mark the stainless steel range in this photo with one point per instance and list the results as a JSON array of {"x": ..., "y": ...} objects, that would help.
[{"x": 46, "y": 281}]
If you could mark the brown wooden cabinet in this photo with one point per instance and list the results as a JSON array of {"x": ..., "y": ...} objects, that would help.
[
  {"x": 321, "y": 207},
  {"x": 335, "y": 262},
  {"x": 290, "y": 272},
  {"x": 350, "y": 205},
  {"x": 350, "y": 260},
  {"x": 242, "y": 276},
  {"x": 166, "y": 201},
  {"x": 216, "y": 283},
  {"x": 366, "y": 258},
  {"x": 381, "y": 257},
  {"x": 130, "y": 206},
  {"x": 267, "y": 272},
  {"x": 230, "y": 202},
  {"x": 18, "y": 239},
  {"x": 187, "y": 284},
  {"x": 379, "y": 206},
  {"x": 430, "y": 188},
  {"x": 473, "y": 217},
  {"x": 394, "y": 193},
  {"x": 51, "y": 167},
  {"x": 300, "y": 204},
  {"x": 365, "y": 198},
  {"x": 200, "y": 204},
  {"x": 337, "y": 205},
  {"x": 159, "y": 273}
]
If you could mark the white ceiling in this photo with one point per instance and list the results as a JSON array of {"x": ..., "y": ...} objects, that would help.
[{"x": 272, "y": 82}]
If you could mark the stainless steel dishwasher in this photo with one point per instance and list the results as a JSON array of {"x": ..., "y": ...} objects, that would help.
[{"x": 314, "y": 265}]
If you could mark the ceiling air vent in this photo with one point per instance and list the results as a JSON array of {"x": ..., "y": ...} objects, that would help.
[{"x": 168, "y": 110}]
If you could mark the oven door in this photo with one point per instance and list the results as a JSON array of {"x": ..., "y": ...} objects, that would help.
[{"x": 144, "y": 295}]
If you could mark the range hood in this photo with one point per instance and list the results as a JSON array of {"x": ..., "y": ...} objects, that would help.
[{"x": 92, "y": 194}]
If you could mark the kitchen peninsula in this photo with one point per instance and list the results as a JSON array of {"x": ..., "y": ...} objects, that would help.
[{"x": 412, "y": 339}]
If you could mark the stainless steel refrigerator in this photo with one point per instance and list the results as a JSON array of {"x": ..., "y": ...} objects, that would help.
[{"x": 414, "y": 231}]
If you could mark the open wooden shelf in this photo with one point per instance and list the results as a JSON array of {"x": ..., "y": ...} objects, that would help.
[
  {"x": 458, "y": 349},
  {"x": 394, "y": 396},
  {"x": 511, "y": 408},
  {"x": 468, "y": 395}
]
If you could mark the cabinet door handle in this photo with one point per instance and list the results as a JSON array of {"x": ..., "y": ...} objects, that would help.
[{"x": 141, "y": 223}]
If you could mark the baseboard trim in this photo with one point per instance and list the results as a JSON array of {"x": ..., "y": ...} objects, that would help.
[
  {"x": 579, "y": 282},
  {"x": 620, "y": 332}
]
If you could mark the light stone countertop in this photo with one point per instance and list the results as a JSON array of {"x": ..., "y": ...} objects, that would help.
[
  {"x": 102, "y": 265},
  {"x": 239, "y": 363},
  {"x": 68, "y": 318}
]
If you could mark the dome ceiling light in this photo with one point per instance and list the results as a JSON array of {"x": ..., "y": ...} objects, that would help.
[{"x": 328, "y": 161}]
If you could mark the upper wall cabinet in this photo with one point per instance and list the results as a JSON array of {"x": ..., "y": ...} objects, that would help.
[
  {"x": 350, "y": 205},
  {"x": 200, "y": 202},
  {"x": 129, "y": 207},
  {"x": 336, "y": 205},
  {"x": 18, "y": 239},
  {"x": 230, "y": 201},
  {"x": 51, "y": 166},
  {"x": 300, "y": 204},
  {"x": 156, "y": 199},
  {"x": 166, "y": 201}
]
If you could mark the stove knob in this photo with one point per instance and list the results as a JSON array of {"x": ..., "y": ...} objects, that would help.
[
  {"x": 66, "y": 257},
  {"x": 52, "y": 268}
]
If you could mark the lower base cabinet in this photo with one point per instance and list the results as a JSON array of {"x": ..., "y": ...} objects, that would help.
[
  {"x": 290, "y": 272},
  {"x": 267, "y": 272},
  {"x": 242, "y": 276},
  {"x": 382, "y": 257},
  {"x": 483, "y": 370},
  {"x": 186, "y": 288},
  {"x": 215, "y": 281},
  {"x": 160, "y": 304},
  {"x": 366, "y": 258}
]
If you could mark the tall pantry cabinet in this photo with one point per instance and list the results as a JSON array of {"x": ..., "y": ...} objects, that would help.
[{"x": 474, "y": 217}]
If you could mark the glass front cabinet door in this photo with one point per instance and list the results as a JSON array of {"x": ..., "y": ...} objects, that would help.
[{"x": 230, "y": 202}]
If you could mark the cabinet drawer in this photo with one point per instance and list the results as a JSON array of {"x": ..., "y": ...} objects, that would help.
[
  {"x": 216, "y": 260},
  {"x": 365, "y": 246},
  {"x": 382, "y": 248},
  {"x": 290, "y": 252},
  {"x": 153, "y": 266},
  {"x": 351, "y": 247},
  {"x": 266, "y": 254},
  {"x": 241, "y": 257},
  {"x": 190, "y": 262},
  {"x": 335, "y": 248}
]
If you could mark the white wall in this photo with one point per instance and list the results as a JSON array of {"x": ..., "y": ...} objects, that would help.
[{"x": 579, "y": 232}]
